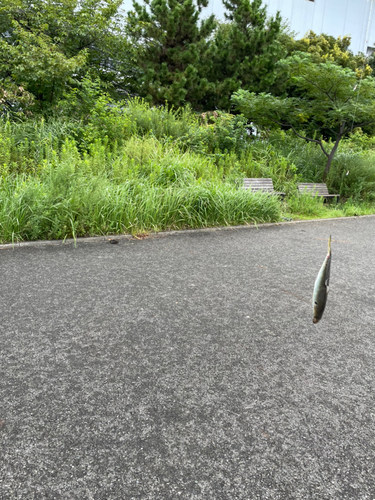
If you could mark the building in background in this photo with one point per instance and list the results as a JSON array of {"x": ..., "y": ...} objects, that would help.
[
  {"x": 355, "y": 18},
  {"x": 333, "y": 17}
]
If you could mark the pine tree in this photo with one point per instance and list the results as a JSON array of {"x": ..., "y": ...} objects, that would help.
[
  {"x": 171, "y": 43},
  {"x": 245, "y": 52}
]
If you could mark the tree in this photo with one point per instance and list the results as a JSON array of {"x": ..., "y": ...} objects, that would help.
[
  {"x": 37, "y": 64},
  {"x": 170, "y": 43},
  {"x": 323, "y": 48},
  {"x": 244, "y": 52},
  {"x": 330, "y": 102},
  {"x": 44, "y": 46}
]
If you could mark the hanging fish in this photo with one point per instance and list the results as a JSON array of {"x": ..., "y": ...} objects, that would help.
[{"x": 321, "y": 286}]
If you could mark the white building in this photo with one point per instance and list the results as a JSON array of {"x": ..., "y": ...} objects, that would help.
[{"x": 333, "y": 17}]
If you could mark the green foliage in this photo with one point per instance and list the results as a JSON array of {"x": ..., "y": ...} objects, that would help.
[
  {"x": 133, "y": 167},
  {"x": 162, "y": 122},
  {"x": 98, "y": 116},
  {"x": 323, "y": 48},
  {"x": 218, "y": 134},
  {"x": 222, "y": 146},
  {"x": 331, "y": 103},
  {"x": 128, "y": 138},
  {"x": 35, "y": 63},
  {"x": 353, "y": 175},
  {"x": 307, "y": 157},
  {"x": 307, "y": 207},
  {"x": 244, "y": 53},
  {"x": 100, "y": 194},
  {"x": 261, "y": 159},
  {"x": 46, "y": 46},
  {"x": 26, "y": 144},
  {"x": 14, "y": 101},
  {"x": 170, "y": 42}
]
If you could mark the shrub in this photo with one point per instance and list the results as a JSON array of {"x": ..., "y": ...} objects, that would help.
[{"x": 39, "y": 208}]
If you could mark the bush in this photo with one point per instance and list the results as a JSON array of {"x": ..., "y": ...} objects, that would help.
[
  {"x": 38, "y": 209},
  {"x": 130, "y": 167},
  {"x": 353, "y": 175},
  {"x": 143, "y": 186},
  {"x": 352, "y": 172}
]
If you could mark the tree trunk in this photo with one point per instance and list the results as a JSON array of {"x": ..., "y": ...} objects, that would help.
[{"x": 333, "y": 151}]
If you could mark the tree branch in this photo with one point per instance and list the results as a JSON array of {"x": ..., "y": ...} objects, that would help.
[
  {"x": 309, "y": 139},
  {"x": 364, "y": 124},
  {"x": 281, "y": 124},
  {"x": 321, "y": 90}
]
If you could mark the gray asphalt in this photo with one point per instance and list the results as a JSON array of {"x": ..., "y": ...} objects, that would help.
[{"x": 187, "y": 366}]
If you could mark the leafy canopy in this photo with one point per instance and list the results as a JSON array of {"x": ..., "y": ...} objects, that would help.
[
  {"x": 323, "y": 48},
  {"x": 329, "y": 103},
  {"x": 45, "y": 46}
]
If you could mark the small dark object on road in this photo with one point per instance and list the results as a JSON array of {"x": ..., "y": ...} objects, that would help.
[{"x": 113, "y": 241}]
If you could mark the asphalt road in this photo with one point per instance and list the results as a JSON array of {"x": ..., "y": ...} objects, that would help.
[{"x": 188, "y": 367}]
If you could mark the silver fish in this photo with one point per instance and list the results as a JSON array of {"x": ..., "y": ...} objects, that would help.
[{"x": 321, "y": 287}]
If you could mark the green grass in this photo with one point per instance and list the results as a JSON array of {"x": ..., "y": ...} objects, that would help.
[
  {"x": 98, "y": 194},
  {"x": 139, "y": 169},
  {"x": 31, "y": 210},
  {"x": 302, "y": 207}
]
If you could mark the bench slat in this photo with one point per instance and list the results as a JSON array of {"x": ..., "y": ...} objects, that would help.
[
  {"x": 260, "y": 184},
  {"x": 314, "y": 187},
  {"x": 319, "y": 189}
]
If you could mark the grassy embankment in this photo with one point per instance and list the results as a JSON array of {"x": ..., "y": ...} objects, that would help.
[{"x": 139, "y": 169}]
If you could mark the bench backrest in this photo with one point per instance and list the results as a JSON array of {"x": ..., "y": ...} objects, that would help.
[
  {"x": 258, "y": 184},
  {"x": 312, "y": 188}
]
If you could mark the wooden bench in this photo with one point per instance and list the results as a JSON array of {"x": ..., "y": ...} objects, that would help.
[
  {"x": 265, "y": 185},
  {"x": 320, "y": 190}
]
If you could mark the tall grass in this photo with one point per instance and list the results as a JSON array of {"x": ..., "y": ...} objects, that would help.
[
  {"x": 131, "y": 168},
  {"x": 24, "y": 145},
  {"x": 42, "y": 208},
  {"x": 307, "y": 157},
  {"x": 144, "y": 186},
  {"x": 353, "y": 175}
]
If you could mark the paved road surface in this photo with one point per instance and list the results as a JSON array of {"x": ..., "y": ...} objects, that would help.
[{"x": 188, "y": 367}]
